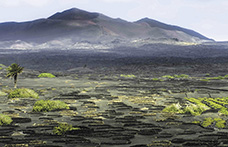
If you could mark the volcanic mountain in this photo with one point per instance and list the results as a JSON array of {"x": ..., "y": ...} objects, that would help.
[{"x": 75, "y": 25}]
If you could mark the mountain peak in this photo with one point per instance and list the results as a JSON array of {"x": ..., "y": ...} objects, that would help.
[{"x": 74, "y": 14}]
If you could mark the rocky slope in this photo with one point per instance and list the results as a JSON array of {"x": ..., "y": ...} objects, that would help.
[{"x": 75, "y": 28}]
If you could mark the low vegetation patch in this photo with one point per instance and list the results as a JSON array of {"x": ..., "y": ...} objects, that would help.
[
  {"x": 219, "y": 123},
  {"x": 49, "y": 105},
  {"x": 195, "y": 109},
  {"x": 174, "y": 108},
  {"x": 184, "y": 76},
  {"x": 168, "y": 77},
  {"x": 2, "y": 93},
  {"x": 46, "y": 75},
  {"x": 1, "y": 66},
  {"x": 5, "y": 120},
  {"x": 181, "y": 76},
  {"x": 212, "y": 103},
  {"x": 199, "y": 105},
  {"x": 23, "y": 93},
  {"x": 127, "y": 76},
  {"x": 63, "y": 128},
  {"x": 191, "y": 108},
  {"x": 215, "y": 78}
]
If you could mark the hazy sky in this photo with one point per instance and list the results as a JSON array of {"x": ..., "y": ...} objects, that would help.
[{"x": 208, "y": 17}]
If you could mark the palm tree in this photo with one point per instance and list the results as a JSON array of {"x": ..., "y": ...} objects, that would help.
[{"x": 13, "y": 71}]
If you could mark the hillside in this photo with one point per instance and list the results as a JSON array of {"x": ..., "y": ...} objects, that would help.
[{"x": 75, "y": 28}]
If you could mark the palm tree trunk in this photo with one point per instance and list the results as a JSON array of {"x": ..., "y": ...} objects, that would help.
[{"x": 15, "y": 81}]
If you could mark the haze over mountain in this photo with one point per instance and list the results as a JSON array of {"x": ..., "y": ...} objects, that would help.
[{"x": 75, "y": 28}]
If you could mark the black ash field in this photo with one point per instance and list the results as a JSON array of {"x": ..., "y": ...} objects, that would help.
[{"x": 136, "y": 97}]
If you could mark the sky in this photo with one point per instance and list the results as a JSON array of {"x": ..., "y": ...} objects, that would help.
[{"x": 208, "y": 17}]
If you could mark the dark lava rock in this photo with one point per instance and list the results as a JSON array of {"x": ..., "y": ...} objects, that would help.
[
  {"x": 200, "y": 143},
  {"x": 71, "y": 140},
  {"x": 54, "y": 115},
  {"x": 42, "y": 136},
  {"x": 178, "y": 140},
  {"x": 45, "y": 145},
  {"x": 6, "y": 140},
  {"x": 36, "y": 114},
  {"x": 120, "y": 106},
  {"x": 21, "y": 120},
  {"x": 211, "y": 111},
  {"x": 143, "y": 125},
  {"x": 82, "y": 131},
  {"x": 164, "y": 135},
  {"x": 140, "y": 145},
  {"x": 70, "y": 94},
  {"x": 149, "y": 131},
  {"x": 113, "y": 113},
  {"x": 27, "y": 131},
  {"x": 6, "y": 131},
  {"x": 116, "y": 142},
  {"x": 188, "y": 133},
  {"x": 8, "y": 112},
  {"x": 73, "y": 108},
  {"x": 78, "y": 118},
  {"x": 45, "y": 118}
]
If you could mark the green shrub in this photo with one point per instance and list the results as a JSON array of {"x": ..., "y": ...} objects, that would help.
[
  {"x": 207, "y": 122},
  {"x": 195, "y": 109},
  {"x": 214, "y": 78},
  {"x": 127, "y": 76},
  {"x": 155, "y": 79},
  {"x": 1, "y": 66},
  {"x": 207, "y": 74},
  {"x": 181, "y": 76},
  {"x": 174, "y": 108},
  {"x": 196, "y": 122},
  {"x": 2, "y": 93},
  {"x": 46, "y": 75},
  {"x": 168, "y": 77},
  {"x": 49, "y": 105},
  {"x": 62, "y": 128},
  {"x": 5, "y": 120},
  {"x": 205, "y": 80},
  {"x": 215, "y": 103},
  {"x": 23, "y": 93},
  {"x": 220, "y": 123}
]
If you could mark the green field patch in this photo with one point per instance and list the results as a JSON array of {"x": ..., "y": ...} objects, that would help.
[
  {"x": 5, "y": 120},
  {"x": 181, "y": 76},
  {"x": 214, "y": 78},
  {"x": 23, "y": 93},
  {"x": 63, "y": 128},
  {"x": 46, "y": 75},
  {"x": 212, "y": 103},
  {"x": 49, "y": 105},
  {"x": 219, "y": 123},
  {"x": 128, "y": 76}
]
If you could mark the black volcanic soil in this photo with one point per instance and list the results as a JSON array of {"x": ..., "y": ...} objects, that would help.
[{"x": 110, "y": 109}]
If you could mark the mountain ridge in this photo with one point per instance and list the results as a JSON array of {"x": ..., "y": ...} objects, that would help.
[{"x": 74, "y": 26}]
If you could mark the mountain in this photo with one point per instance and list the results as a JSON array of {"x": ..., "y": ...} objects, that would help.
[{"x": 75, "y": 28}]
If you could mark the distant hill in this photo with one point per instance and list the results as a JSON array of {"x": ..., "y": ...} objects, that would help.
[{"x": 75, "y": 28}]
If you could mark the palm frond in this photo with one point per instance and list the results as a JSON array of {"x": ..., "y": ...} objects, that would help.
[{"x": 13, "y": 70}]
